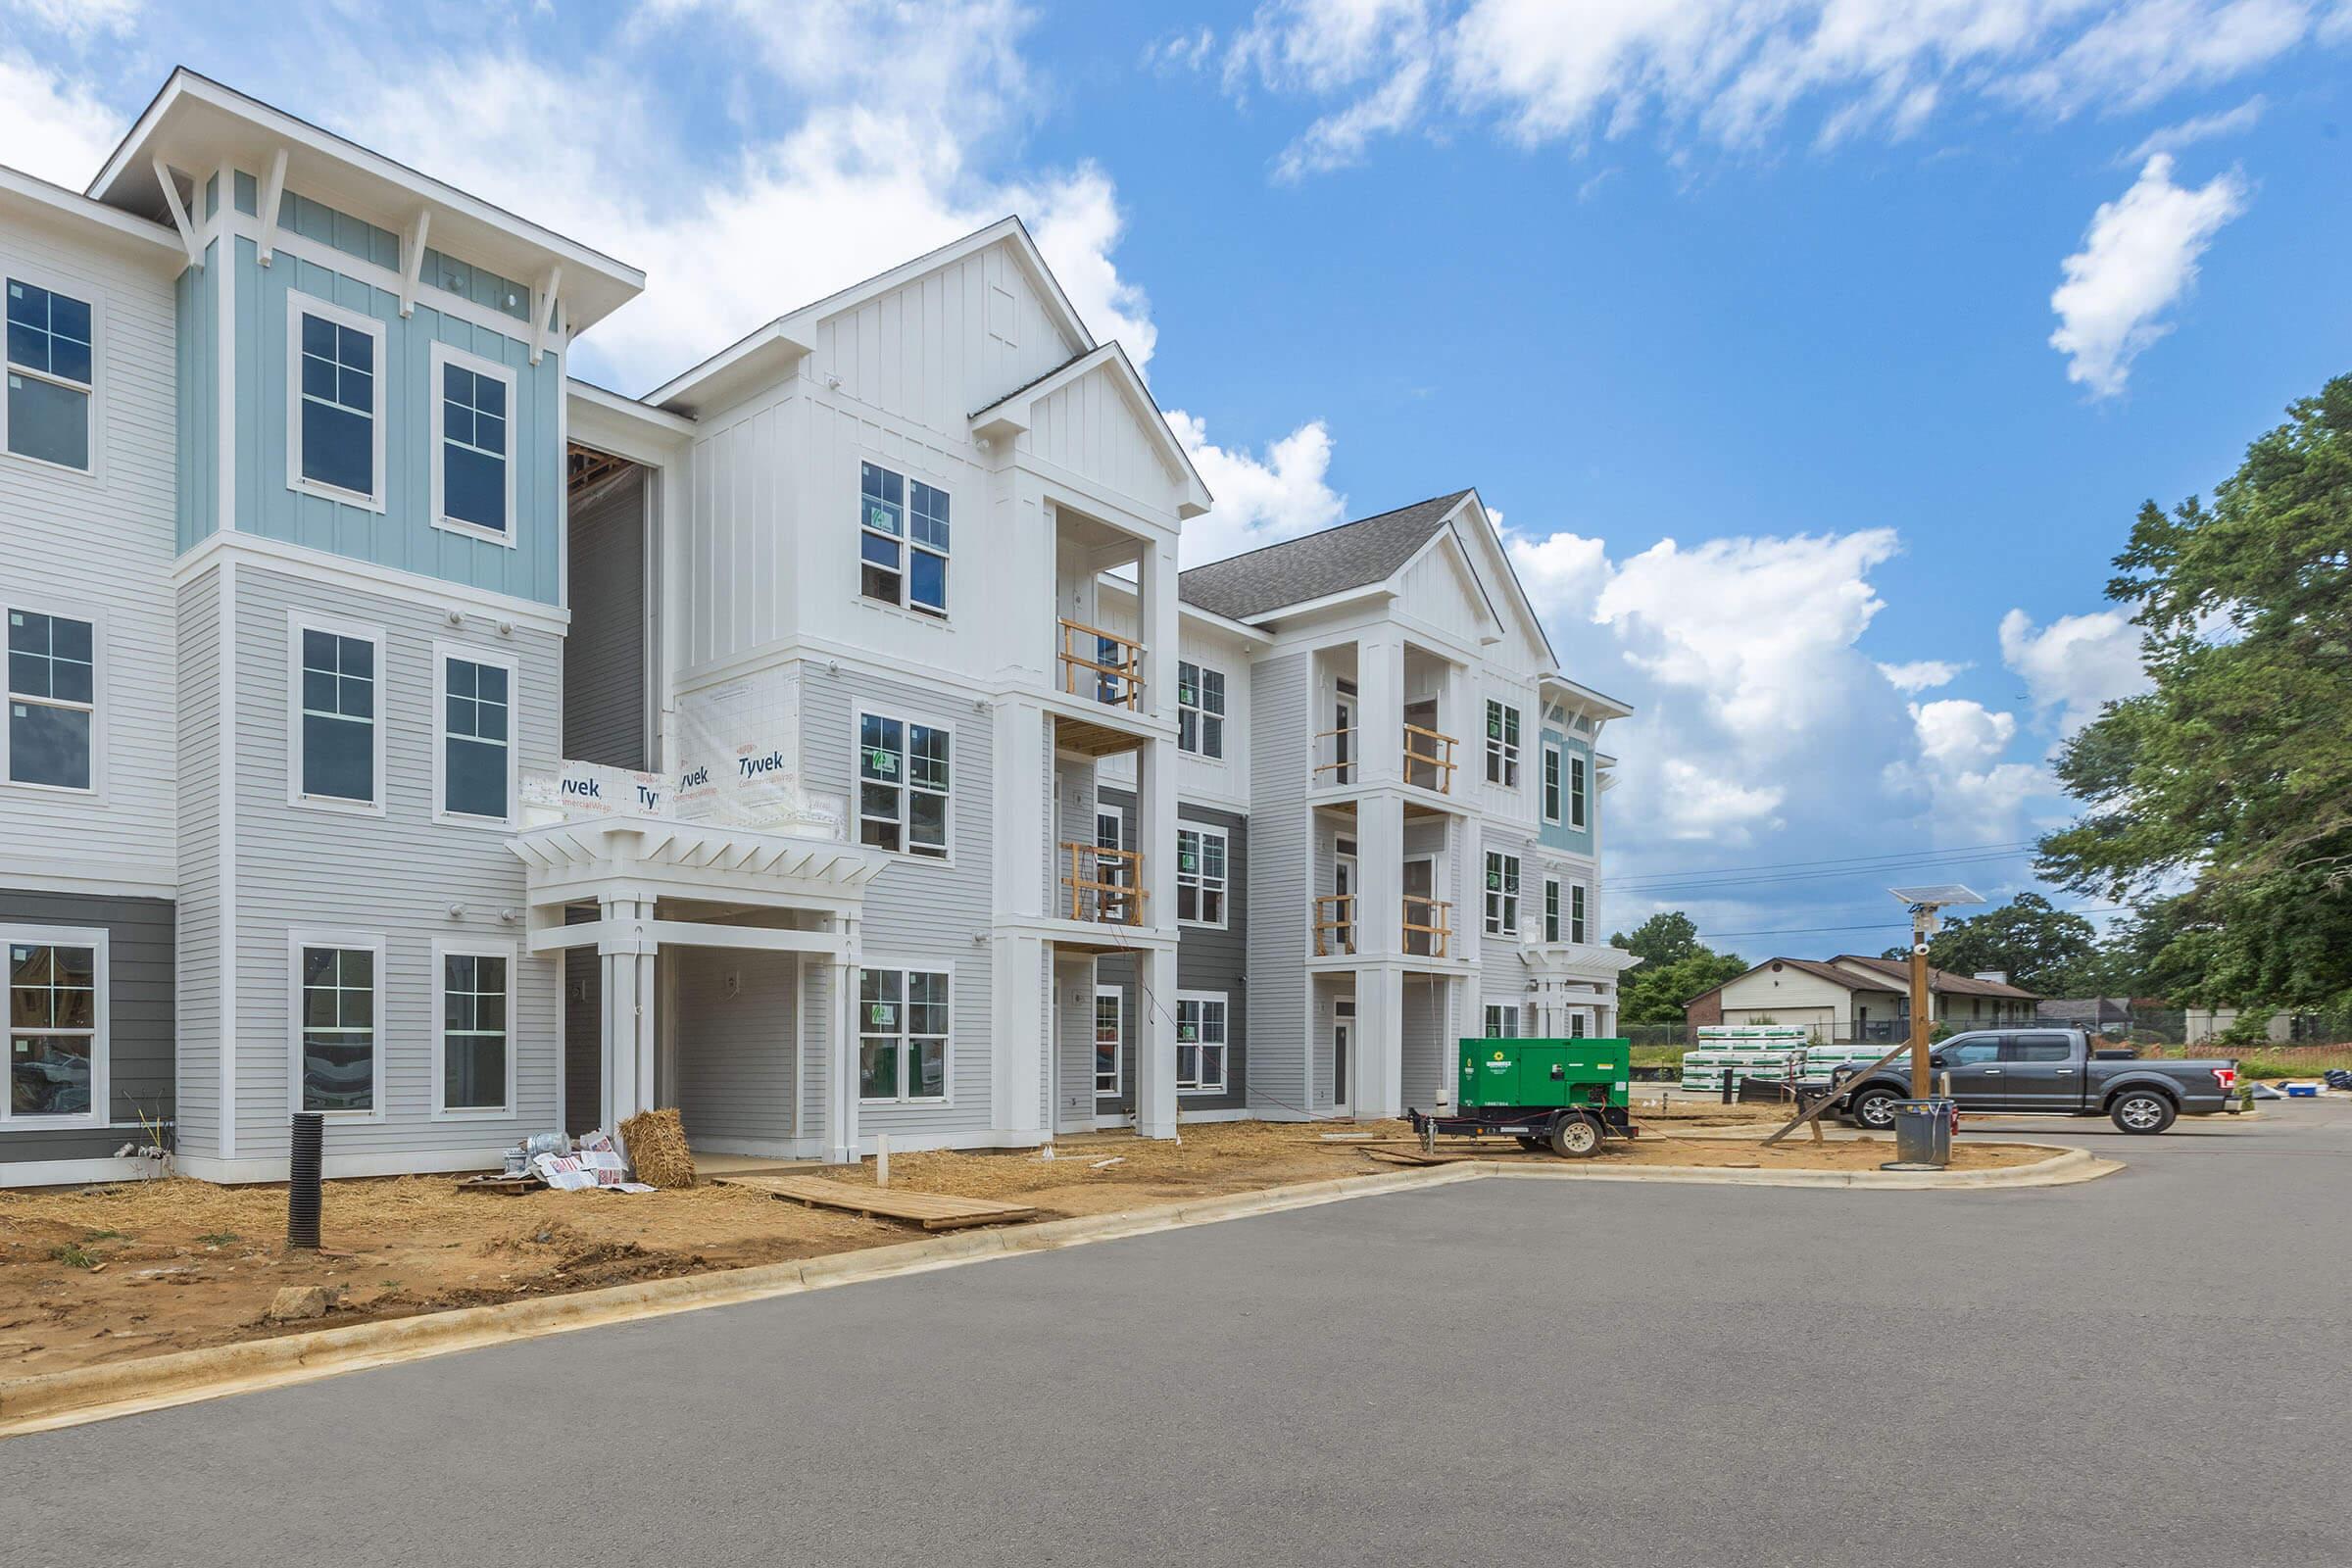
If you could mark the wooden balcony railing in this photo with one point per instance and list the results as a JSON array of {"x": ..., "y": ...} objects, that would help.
[
  {"x": 1101, "y": 664},
  {"x": 1107, "y": 886},
  {"x": 1335, "y": 923},
  {"x": 1429, "y": 759},
  {"x": 1428, "y": 926},
  {"x": 1335, "y": 753}
]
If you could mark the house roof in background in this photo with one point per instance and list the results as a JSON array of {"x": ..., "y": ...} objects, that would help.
[
  {"x": 1353, "y": 555},
  {"x": 1898, "y": 972}
]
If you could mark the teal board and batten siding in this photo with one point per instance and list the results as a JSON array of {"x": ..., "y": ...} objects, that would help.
[
  {"x": 196, "y": 377},
  {"x": 402, "y": 535},
  {"x": 397, "y": 875},
  {"x": 1561, "y": 835},
  {"x": 138, "y": 1025}
]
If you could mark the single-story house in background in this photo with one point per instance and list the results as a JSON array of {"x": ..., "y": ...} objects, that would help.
[{"x": 1854, "y": 997}]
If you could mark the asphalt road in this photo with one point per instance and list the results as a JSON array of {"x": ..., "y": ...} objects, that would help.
[{"x": 2142, "y": 1371}]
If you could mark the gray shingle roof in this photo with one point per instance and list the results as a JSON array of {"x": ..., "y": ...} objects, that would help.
[{"x": 1353, "y": 555}]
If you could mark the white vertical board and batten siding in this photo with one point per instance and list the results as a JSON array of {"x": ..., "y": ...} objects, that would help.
[
  {"x": 99, "y": 546},
  {"x": 1089, "y": 427},
  {"x": 300, "y": 869}
]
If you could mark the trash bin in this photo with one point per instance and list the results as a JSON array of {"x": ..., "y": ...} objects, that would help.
[{"x": 1923, "y": 1134}]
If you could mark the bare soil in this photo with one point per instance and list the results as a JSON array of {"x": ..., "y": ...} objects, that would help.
[{"x": 100, "y": 1274}]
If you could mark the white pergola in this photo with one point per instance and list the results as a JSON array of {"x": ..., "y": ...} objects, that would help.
[
  {"x": 627, "y": 865},
  {"x": 1566, "y": 976}
]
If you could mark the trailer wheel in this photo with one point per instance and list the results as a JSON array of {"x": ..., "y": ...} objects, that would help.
[{"x": 1576, "y": 1137}]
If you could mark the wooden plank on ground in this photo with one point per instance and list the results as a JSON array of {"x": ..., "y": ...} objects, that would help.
[{"x": 933, "y": 1211}]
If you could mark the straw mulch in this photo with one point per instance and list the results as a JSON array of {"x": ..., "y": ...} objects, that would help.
[{"x": 655, "y": 1143}]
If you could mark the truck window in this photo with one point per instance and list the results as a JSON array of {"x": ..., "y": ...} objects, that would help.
[
  {"x": 2040, "y": 1048},
  {"x": 1970, "y": 1051}
]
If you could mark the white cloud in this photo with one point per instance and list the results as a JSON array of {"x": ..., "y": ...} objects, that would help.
[
  {"x": 1970, "y": 795},
  {"x": 1260, "y": 501},
  {"x": 2074, "y": 664},
  {"x": 79, "y": 21},
  {"x": 2139, "y": 259},
  {"x": 1920, "y": 674},
  {"x": 2204, "y": 127},
  {"x": 1734, "y": 72},
  {"x": 52, "y": 125},
  {"x": 1563, "y": 574},
  {"x": 1957, "y": 734},
  {"x": 1704, "y": 804}
]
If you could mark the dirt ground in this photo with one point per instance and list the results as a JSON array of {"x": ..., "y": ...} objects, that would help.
[{"x": 100, "y": 1274}]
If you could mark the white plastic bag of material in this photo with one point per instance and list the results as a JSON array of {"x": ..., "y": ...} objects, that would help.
[{"x": 567, "y": 1173}]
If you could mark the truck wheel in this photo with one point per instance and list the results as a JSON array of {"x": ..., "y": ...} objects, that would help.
[
  {"x": 1874, "y": 1108},
  {"x": 1574, "y": 1137},
  {"x": 2142, "y": 1111}
]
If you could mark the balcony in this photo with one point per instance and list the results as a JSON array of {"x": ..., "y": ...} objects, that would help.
[
  {"x": 1334, "y": 756},
  {"x": 1105, "y": 885},
  {"x": 1429, "y": 760},
  {"x": 1335, "y": 924},
  {"x": 1102, "y": 665},
  {"x": 1428, "y": 927}
]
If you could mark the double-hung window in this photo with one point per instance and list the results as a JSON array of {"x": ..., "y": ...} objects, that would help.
[
  {"x": 1503, "y": 1020},
  {"x": 902, "y": 1034},
  {"x": 1502, "y": 895},
  {"x": 1577, "y": 792},
  {"x": 1200, "y": 709},
  {"x": 1110, "y": 1039},
  {"x": 474, "y": 743},
  {"x": 1201, "y": 1041},
  {"x": 903, "y": 785},
  {"x": 1551, "y": 908},
  {"x": 1552, "y": 782},
  {"x": 1503, "y": 744},
  {"x": 339, "y": 1022},
  {"x": 337, "y": 440},
  {"x": 52, "y": 699},
  {"x": 56, "y": 1024},
  {"x": 902, "y": 540},
  {"x": 473, "y": 445},
  {"x": 338, "y": 733},
  {"x": 1576, "y": 912},
  {"x": 51, "y": 375},
  {"x": 475, "y": 1006},
  {"x": 1199, "y": 877}
]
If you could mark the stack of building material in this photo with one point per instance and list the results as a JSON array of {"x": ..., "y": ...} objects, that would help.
[{"x": 656, "y": 1141}]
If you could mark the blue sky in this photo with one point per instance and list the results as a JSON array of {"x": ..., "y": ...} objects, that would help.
[{"x": 1740, "y": 315}]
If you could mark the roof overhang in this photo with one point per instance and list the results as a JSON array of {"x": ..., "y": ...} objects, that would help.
[
  {"x": 23, "y": 192},
  {"x": 196, "y": 126},
  {"x": 638, "y": 855},
  {"x": 1011, "y": 416},
  {"x": 743, "y": 366},
  {"x": 1577, "y": 695},
  {"x": 1577, "y": 960}
]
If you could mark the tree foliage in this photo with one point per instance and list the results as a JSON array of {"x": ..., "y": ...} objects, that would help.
[
  {"x": 2225, "y": 792},
  {"x": 1674, "y": 967},
  {"x": 2036, "y": 945},
  {"x": 1667, "y": 937}
]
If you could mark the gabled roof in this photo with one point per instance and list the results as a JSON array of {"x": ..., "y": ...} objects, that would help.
[
  {"x": 762, "y": 354},
  {"x": 31, "y": 191},
  {"x": 1898, "y": 973},
  {"x": 198, "y": 125},
  {"x": 1353, "y": 555},
  {"x": 1011, "y": 414}
]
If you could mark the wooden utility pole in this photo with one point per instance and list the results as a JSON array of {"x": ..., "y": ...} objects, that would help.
[{"x": 1920, "y": 1083}]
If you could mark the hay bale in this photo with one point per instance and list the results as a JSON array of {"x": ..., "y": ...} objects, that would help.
[{"x": 656, "y": 1143}]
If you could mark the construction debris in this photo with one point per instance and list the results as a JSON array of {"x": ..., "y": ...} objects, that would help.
[
  {"x": 298, "y": 1304},
  {"x": 656, "y": 1141}
]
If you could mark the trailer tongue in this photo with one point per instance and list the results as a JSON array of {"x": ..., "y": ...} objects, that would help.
[{"x": 1565, "y": 1095}]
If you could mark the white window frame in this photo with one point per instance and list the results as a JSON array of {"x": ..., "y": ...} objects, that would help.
[
  {"x": 1502, "y": 906},
  {"x": 907, "y": 545},
  {"x": 95, "y": 619},
  {"x": 445, "y": 949},
  {"x": 1118, "y": 1059},
  {"x": 1580, "y": 906},
  {"x": 299, "y": 305},
  {"x": 443, "y": 653},
  {"x": 1501, "y": 751},
  {"x": 93, "y": 296},
  {"x": 359, "y": 941},
  {"x": 1199, "y": 879},
  {"x": 1554, "y": 910},
  {"x": 858, "y": 1033},
  {"x": 1553, "y": 783},
  {"x": 299, "y": 621},
  {"x": 860, "y": 711},
  {"x": 1579, "y": 792},
  {"x": 1203, "y": 999},
  {"x": 443, "y": 356},
  {"x": 1192, "y": 718},
  {"x": 101, "y": 1033},
  {"x": 1510, "y": 1010}
]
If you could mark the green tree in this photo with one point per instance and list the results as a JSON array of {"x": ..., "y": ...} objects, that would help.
[
  {"x": 1667, "y": 937},
  {"x": 2036, "y": 945},
  {"x": 1655, "y": 993},
  {"x": 2234, "y": 776}
]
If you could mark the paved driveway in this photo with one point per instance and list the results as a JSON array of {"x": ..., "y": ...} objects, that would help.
[{"x": 2142, "y": 1371}]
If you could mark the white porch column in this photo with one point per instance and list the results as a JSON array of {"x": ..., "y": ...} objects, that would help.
[
  {"x": 1026, "y": 863},
  {"x": 1380, "y": 709},
  {"x": 626, "y": 956},
  {"x": 1380, "y": 876},
  {"x": 841, "y": 1040},
  {"x": 1380, "y": 1043},
  {"x": 1155, "y": 621},
  {"x": 1019, "y": 988},
  {"x": 1155, "y": 1044}
]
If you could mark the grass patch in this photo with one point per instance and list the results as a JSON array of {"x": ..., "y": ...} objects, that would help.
[
  {"x": 74, "y": 1255},
  {"x": 108, "y": 1235},
  {"x": 218, "y": 1238}
]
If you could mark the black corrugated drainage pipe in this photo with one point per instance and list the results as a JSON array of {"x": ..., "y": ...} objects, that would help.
[{"x": 302, "y": 1180}]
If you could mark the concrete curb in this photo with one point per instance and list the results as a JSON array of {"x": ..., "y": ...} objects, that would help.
[{"x": 48, "y": 1400}]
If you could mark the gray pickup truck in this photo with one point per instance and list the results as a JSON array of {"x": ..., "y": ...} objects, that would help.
[{"x": 2052, "y": 1072}]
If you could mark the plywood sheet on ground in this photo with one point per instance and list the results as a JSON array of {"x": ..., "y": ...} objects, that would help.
[{"x": 933, "y": 1211}]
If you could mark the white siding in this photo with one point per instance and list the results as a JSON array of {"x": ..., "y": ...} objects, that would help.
[
  {"x": 1279, "y": 839},
  {"x": 735, "y": 1053},
  {"x": 1090, "y": 427}
]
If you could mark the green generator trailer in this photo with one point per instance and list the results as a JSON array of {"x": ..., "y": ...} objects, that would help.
[{"x": 1565, "y": 1095}]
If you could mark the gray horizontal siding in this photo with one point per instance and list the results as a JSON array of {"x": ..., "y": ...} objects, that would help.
[
  {"x": 1206, "y": 960},
  {"x": 139, "y": 1018}
]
